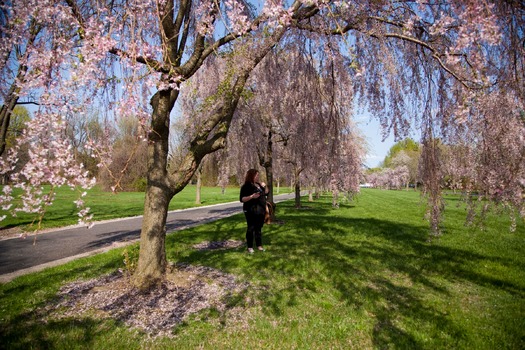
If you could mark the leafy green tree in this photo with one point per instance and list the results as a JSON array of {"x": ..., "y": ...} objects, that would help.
[
  {"x": 405, "y": 153},
  {"x": 19, "y": 117},
  {"x": 409, "y": 146}
]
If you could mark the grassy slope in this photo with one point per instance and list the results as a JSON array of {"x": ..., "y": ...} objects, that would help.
[{"x": 362, "y": 276}]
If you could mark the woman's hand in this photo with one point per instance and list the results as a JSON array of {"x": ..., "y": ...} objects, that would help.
[{"x": 253, "y": 196}]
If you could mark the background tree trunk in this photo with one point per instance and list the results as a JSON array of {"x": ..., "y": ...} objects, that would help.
[
  {"x": 199, "y": 185},
  {"x": 297, "y": 186},
  {"x": 268, "y": 166}
]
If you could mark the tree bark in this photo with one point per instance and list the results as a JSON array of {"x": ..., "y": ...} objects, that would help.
[
  {"x": 335, "y": 199},
  {"x": 297, "y": 195},
  {"x": 198, "y": 187},
  {"x": 297, "y": 187},
  {"x": 13, "y": 95},
  {"x": 268, "y": 166},
  {"x": 266, "y": 161},
  {"x": 7, "y": 108},
  {"x": 152, "y": 258}
]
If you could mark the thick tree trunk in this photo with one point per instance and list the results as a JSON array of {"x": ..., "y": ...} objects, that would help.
[{"x": 152, "y": 258}]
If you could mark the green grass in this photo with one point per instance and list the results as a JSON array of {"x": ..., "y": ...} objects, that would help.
[
  {"x": 363, "y": 276},
  {"x": 106, "y": 205}
]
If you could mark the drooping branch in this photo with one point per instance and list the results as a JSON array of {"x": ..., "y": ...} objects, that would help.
[
  {"x": 213, "y": 132},
  {"x": 435, "y": 52}
]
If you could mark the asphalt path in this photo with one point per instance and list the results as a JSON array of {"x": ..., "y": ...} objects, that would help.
[{"x": 19, "y": 256}]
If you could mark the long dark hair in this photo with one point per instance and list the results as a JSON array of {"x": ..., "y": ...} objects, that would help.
[{"x": 250, "y": 176}]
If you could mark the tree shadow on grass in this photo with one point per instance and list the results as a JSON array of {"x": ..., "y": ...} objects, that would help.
[
  {"x": 27, "y": 331},
  {"x": 31, "y": 329},
  {"x": 178, "y": 244},
  {"x": 382, "y": 267}
]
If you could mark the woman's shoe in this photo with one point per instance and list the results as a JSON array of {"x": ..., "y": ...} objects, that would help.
[
  {"x": 261, "y": 249},
  {"x": 250, "y": 250}
]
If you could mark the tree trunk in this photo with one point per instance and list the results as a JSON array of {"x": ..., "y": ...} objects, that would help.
[
  {"x": 11, "y": 99},
  {"x": 335, "y": 199},
  {"x": 297, "y": 195},
  {"x": 152, "y": 258},
  {"x": 7, "y": 109},
  {"x": 199, "y": 185},
  {"x": 266, "y": 161},
  {"x": 297, "y": 187}
]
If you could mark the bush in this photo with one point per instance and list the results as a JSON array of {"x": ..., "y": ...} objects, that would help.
[
  {"x": 131, "y": 259},
  {"x": 140, "y": 184}
]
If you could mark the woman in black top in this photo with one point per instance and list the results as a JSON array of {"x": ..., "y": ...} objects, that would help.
[{"x": 253, "y": 196}]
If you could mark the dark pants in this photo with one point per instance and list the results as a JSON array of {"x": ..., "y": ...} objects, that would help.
[{"x": 255, "y": 223}]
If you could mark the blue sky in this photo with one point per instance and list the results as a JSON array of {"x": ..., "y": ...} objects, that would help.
[{"x": 377, "y": 149}]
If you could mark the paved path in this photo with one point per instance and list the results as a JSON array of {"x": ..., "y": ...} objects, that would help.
[{"x": 19, "y": 256}]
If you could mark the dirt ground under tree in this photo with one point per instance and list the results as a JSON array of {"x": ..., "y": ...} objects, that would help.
[{"x": 187, "y": 290}]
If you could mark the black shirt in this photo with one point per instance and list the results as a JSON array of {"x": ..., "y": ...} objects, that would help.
[{"x": 257, "y": 205}]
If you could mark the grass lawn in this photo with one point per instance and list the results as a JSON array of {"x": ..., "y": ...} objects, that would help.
[
  {"x": 106, "y": 205},
  {"x": 363, "y": 276}
]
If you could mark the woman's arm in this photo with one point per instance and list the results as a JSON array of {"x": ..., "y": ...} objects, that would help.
[
  {"x": 247, "y": 194},
  {"x": 248, "y": 198}
]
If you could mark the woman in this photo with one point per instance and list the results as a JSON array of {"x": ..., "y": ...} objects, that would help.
[{"x": 253, "y": 196}]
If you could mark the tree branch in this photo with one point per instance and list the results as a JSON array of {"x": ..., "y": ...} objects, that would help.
[{"x": 435, "y": 52}]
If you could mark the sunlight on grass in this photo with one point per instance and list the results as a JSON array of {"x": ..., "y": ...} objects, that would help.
[{"x": 106, "y": 205}]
